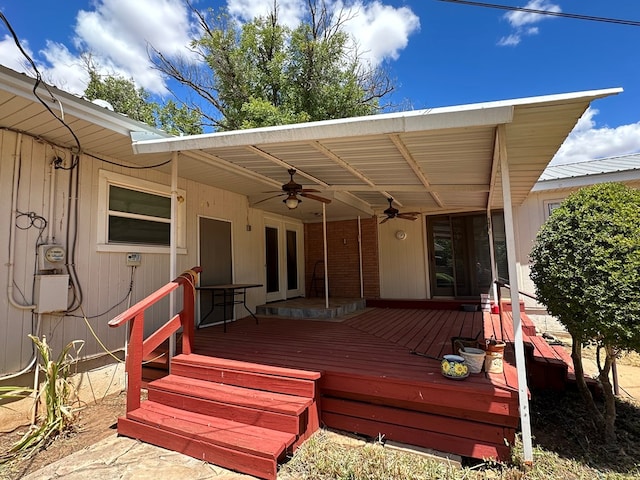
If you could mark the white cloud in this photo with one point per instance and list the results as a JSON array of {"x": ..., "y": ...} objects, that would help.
[
  {"x": 381, "y": 31},
  {"x": 12, "y": 57},
  {"x": 589, "y": 142},
  {"x": 518, "y": 18},
  {"x": 510, "y": 40},
  {"x": 290, "y": 12},
  {"x": 118, "y": 32},
  {"x": 521, "y": 22}
]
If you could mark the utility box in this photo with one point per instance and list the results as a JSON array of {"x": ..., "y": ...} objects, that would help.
[{"x": 51, "y": 293}]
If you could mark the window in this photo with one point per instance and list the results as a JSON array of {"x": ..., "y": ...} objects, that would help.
[
  {"x": 550, "y": 206},
  {"x": 136, "y": 214}
]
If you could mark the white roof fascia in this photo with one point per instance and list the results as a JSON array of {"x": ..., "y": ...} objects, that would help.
[
  {"x": 22, "y": 85},
  {"x": 403, "y": 122},
  {"x": 478, "y": 114},
  {"x": 585, "y": 180}
]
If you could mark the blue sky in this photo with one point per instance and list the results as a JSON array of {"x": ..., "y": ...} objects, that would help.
[{"x": 439, "y": 53}]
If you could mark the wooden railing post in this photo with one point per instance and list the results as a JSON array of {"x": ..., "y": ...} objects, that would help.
[
  {"x": 187, "y": 316},
  {"x": 134, "y": 362},
  {"x": 138, "y": 347}
]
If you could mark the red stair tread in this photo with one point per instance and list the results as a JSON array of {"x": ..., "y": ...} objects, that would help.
[
  {"x": 270, "y": 401},
  {"x": 227, "y": 433},
  {"x": 247, "y": 463},
  {"x": 203, "y": 360}
]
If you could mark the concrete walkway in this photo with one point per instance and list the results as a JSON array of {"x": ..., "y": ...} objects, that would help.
[{"x": 126, "y": 459}]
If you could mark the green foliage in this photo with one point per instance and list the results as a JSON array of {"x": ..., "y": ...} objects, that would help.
[
  {"x": 177, "y": 120},
  {"x": 122, "y": 94},
  {"x": 263, "y": 73},
  {"x": 586, "y": 265},
  {"x": 55, "y": 393},
  {"x": 14, "y": 392},
  {"x": 134, "y": 102},
  {"x": 586, "y": 269}
]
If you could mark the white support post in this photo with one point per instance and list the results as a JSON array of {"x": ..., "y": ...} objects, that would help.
[
  {"x": 173, "y": 247},
  {"x": 492, "y": 256},
  {"x": 360, "y": 257},
  {"x": 525, "y": 418},
  {"x": 326, "y": 268}
]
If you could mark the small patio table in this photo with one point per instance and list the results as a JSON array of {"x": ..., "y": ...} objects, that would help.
[{"x": 232, "y": 294}]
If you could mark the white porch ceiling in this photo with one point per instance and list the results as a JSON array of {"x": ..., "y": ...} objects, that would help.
[{"x": 432, "y": 161}]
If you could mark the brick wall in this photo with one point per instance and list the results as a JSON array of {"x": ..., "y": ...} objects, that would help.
[{"x": 343, "y": 261}]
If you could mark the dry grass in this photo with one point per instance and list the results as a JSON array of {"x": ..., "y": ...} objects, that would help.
[{"x": 566, "y": 447}]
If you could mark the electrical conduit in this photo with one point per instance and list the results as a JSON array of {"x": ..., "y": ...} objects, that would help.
[{"x": 12, "y": 227}]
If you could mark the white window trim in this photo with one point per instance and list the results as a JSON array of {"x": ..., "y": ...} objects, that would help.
[
  {"x": 549, "y": 206},
  {"x": 107, "y": 178}
]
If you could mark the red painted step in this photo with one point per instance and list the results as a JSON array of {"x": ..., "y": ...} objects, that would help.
[
  {"x": 245, "y": 374},
  {"x": 246, "y": 448},
  {"x": 246, "y": 407},
  {"x": 232, "y": 395}
]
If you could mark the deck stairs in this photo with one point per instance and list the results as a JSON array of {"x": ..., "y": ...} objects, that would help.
[
  {"x": 239, "y": 415},
  {"x": 242, "y": 416}
]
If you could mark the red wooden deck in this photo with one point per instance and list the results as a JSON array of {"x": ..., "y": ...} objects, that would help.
[{"x": 371, "y": 383}]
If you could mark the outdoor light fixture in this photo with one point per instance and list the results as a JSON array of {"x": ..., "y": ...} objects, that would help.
[{"x": 291, "y": 201}]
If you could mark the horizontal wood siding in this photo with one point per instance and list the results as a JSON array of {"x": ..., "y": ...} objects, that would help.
[{"x": 103, "y": 276}]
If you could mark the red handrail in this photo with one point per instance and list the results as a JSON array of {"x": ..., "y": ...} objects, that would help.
[{"x": 139, "y": 347}]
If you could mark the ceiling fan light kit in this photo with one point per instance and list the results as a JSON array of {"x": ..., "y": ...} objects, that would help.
[
  {"x": 292, "y": 190},
  {"x": 292, "y": 201}
]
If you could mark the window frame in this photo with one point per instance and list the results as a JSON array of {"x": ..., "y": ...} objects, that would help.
[
  {"x": 108, "y": 179},
  {"x": 550, "y": 206}
]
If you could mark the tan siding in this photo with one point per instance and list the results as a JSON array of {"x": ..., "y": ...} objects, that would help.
[
  {"x": 402, "y": 262},
  {"x": 103, "y": 276},
  {"x": 530, "y": 217}
]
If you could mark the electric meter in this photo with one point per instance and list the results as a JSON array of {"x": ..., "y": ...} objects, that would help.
[{"x": 51, "y": 257}]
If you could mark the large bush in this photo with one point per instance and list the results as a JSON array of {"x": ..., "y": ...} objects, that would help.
[{"x": 586, "y": 269}]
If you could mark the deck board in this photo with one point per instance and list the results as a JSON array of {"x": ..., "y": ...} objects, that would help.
[{"x": 368, "y": 358}]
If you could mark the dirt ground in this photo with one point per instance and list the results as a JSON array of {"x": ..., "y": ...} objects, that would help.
[
  {"x": 94, "y": 423},
  {"x": 97, "y": 421}
]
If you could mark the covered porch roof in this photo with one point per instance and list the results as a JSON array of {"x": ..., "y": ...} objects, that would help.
[
  {"x": 439, "y": 160},
  {"x": 435, "y": 160}
]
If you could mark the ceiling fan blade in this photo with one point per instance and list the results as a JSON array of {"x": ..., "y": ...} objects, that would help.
[
  {"x": 407, "y": 216},
  {"x": 309, "y": 190},
  {"x": 385, "y": 219},
  {"x": 269, "y": 198},
  {"x": 314, "y": 197}
]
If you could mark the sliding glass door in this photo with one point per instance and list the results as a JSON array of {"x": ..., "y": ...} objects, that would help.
[{"x": 459, "y": 257}]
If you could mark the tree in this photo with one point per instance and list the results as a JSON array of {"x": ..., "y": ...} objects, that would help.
[
  {"x": 263, "y": 73},
  {"x": 134, "y": 102},
  {"x": 586, "y": 269}
]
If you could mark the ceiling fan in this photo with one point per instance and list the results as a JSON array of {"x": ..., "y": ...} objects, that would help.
[
  {"x": 393, "y": 212},
  {"x": 292, "y": 189}
]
